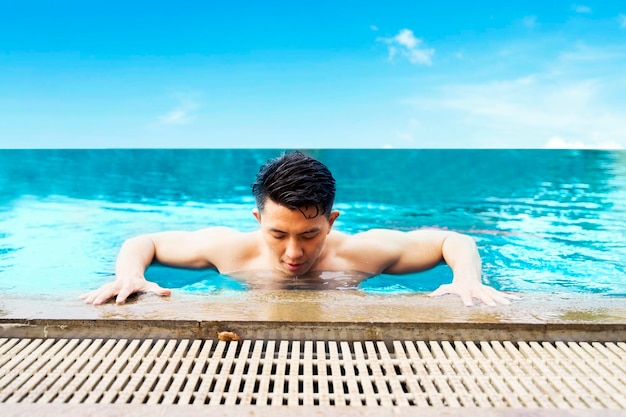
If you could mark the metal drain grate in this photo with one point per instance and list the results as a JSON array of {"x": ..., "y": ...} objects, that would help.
[{"x": 405, "y": 373}]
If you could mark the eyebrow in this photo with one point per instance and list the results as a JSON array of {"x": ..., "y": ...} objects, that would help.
[{"x": 313, "y": 230}]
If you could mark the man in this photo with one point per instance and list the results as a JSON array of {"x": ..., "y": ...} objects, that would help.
[{"x": 294, "y": 196}]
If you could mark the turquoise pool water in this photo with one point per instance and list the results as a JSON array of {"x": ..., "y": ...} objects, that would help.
[{"x": 550, "y": 221}]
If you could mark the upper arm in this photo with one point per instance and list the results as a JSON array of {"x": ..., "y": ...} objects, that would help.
[
  {"x": 395, "y": 252},
  {"x": 197, "y": 249}
]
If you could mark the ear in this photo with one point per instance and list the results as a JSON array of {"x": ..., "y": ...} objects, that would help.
[
  {"x": 331, "y": 219},
  {"x": 257, "y": 215}
]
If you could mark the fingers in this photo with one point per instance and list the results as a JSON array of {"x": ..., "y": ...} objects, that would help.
[
  {"x": 158, "y": 290},
  {"x": 100, "y": 295},
  {"x": 121, "y": 292},
  {"x": 467, "y": 299},
  {"x": 487, "y": 300},
  {"x": 442, "y": 290},
  {"x": 450, "y": 289},
  {"x": 125, "y": 291},
  {"x": 500, "y": 298},
  {"x": 488, "y": 295},
  {"x": 149, "y": 287},
  {"x": 104, "y": 295},
  {"x": 88, "y": 296}
]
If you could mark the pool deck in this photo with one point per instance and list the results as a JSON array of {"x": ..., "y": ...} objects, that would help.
[
  {"x": 128, "y": 410},
  {"x": 316, "y": 315}
]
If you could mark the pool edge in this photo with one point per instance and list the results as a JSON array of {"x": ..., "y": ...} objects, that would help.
[{"x": 290, "y": 330}]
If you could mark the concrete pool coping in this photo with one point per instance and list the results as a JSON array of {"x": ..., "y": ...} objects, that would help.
[{"x": 325, "y": 315}]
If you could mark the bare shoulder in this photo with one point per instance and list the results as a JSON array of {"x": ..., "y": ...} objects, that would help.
[
  {"x": 392, "y": 238},
  {"x": 208, "y": 247},
  {"x": 379, "y": 250},
  {"x": 376, "y": 240},
  {"x": 369, "y": 251},
  {"x": 232, "y": 250},
  {"x": 225, "y": 239}
]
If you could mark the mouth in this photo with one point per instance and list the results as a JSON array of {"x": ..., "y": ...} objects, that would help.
[{"x": 294, "y": 267}]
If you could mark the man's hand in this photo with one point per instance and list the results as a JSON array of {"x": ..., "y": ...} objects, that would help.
[
  {"x": 461, "y": 254},
  {"x": 134, "y": 257},
  {"x": 469, "y": 291},
  {"x": 122, "y": 289}
]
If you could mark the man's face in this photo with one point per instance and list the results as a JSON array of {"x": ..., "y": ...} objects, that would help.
[{"x": 294, "y": 240}]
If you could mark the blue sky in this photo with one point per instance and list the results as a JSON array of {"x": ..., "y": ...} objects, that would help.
[{"x": 324, "y": 74}]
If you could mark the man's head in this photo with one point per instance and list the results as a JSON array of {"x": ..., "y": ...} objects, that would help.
[
  {"x": 294, "y": 196},
  {"x": 297, "y": 182}
]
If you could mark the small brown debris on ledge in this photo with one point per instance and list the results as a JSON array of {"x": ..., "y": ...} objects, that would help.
[{"x": 228, "y": 337}]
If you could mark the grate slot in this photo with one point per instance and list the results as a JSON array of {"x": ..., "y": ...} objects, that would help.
[
  {"x": 194, "y": 380},
  {"x": 323, "y": 377},
  {"x": 247, "y": 394},
  {"x": 459, "y": 374}
]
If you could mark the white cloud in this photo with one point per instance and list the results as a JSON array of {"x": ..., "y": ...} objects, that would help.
[
  {"x": 622, "y": 21},
  {"x": 557, "y": 142},
  {"x": 406, "y": 44},
  {"x": 374, "y": 28},
  {"x": 181, "y": 115},
  {"x": 579, "y": 8},
  {"x": 406, "y": 38},
  {"x": 578, "y": 95},
  {"x": 523, "y": 112}
]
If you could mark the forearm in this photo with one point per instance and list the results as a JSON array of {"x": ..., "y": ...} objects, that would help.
[
  {"x": 461, "y": 254},
  {"x": 135, "y": 255}
]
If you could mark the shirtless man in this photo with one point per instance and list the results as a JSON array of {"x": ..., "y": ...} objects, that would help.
[{"x": 294, "y": 195}]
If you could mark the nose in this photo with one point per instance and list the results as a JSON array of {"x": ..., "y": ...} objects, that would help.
[{"x": 293, "y": 250}]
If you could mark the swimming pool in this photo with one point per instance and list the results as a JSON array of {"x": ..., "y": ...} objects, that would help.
[{"x": 546, "y": 221}]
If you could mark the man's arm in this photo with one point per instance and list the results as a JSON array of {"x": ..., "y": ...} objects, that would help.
[
  {"x": 460, "y": 253},
  {"x": 402, "y": 253},
  {"x": 183, "y": 249}
]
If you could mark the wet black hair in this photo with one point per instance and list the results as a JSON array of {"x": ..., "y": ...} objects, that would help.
[{"x": 296, "y": 181}]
